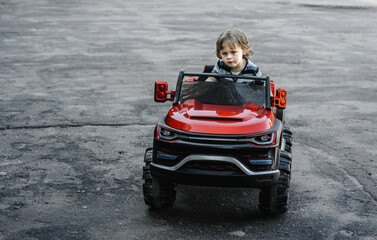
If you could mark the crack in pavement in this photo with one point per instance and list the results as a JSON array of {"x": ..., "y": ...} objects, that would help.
[
  {"x": 355, "y": 181},
  {"x": 74, "y": 126}
]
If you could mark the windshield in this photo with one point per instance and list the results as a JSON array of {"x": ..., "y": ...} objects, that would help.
[{"x": 224, "y": 93}]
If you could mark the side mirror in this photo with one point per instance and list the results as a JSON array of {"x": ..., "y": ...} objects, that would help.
[
  {"x": 161, "y": 93},
  {"x": 281, "y": 98}
]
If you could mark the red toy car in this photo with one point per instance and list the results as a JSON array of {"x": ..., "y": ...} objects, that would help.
[{"x": 225, "y": 134}]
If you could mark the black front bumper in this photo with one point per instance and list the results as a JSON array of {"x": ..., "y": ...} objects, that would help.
[{"x": 216, "y": 179}]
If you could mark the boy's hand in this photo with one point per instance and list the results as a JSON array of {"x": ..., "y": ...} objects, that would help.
[{"x": 211, "y": 79}]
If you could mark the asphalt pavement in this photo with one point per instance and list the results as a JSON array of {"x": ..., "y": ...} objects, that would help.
[{"x": 77, "y": 112}]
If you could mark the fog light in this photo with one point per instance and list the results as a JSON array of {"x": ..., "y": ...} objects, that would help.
[
  {"x": 267, "y": 162},
  {"x": 165, "y": 156}
]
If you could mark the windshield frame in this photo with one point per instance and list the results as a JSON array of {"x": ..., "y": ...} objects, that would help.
[{"x": 182, "y": 74}]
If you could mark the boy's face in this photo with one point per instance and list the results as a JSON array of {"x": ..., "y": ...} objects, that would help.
[{"x": 232, "y": 55}]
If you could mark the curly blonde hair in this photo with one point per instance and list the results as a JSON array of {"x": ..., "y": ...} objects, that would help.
[{"x": 234, "y": 37}]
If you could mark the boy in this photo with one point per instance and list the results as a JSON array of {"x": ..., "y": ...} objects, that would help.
[{"x": 234, "y": 51}]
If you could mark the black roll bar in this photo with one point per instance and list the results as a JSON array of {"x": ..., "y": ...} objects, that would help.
[
  {"x": 178, "y": 87},
  {"x": 182, "y": 74}
]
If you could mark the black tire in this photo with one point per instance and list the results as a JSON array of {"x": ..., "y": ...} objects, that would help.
[
  {"x": 274, "y": 199},
  {"x": 157, "y": 195},
  {"x": 287, "y": 135}
]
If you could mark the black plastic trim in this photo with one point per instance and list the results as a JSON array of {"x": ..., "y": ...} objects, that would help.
[{"x": 217, "y": 118}]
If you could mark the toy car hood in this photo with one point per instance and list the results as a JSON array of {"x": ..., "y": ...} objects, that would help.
[{"x": 194, "y": 116}]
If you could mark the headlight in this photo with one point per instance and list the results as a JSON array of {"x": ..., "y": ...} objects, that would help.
[
  {"x": 166, "y": 134},
  {"x": 265, "y": 139}
]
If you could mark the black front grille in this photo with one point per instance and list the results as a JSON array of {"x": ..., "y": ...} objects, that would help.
[
  {"x": 244, "y": 155},
  {"x": 212, "y": 166}
]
